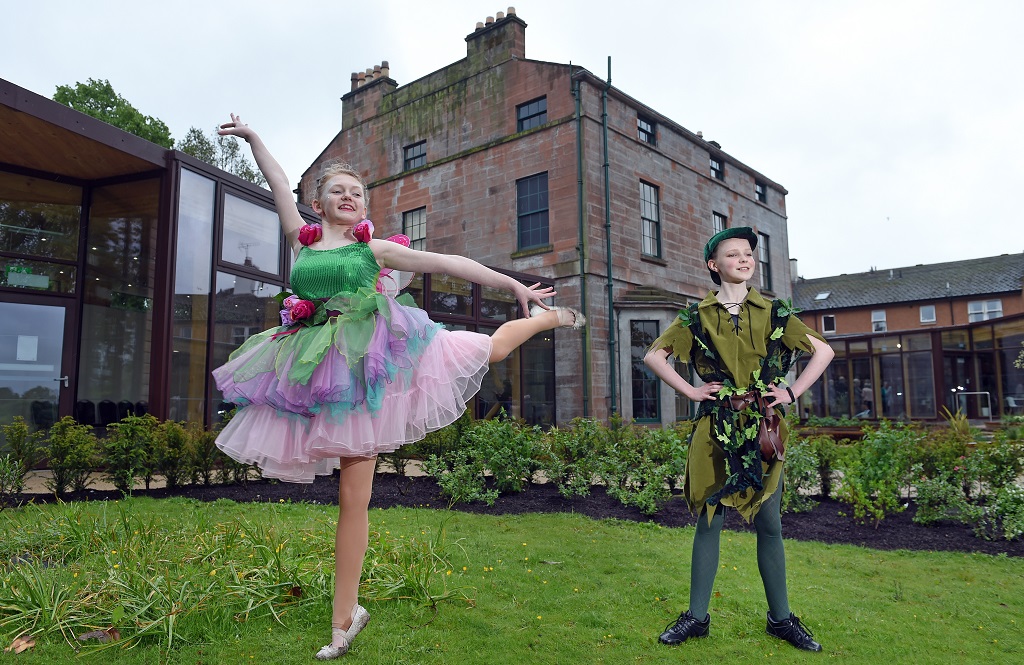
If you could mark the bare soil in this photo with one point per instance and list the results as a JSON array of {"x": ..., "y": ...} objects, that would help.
[{"x": 830, "y": 522}]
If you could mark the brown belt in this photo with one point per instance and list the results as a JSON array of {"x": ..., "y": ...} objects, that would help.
[{"x": 768, "y": 435}]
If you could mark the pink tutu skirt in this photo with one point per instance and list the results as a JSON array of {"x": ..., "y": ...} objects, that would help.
[{"x": 377, "y": 376}]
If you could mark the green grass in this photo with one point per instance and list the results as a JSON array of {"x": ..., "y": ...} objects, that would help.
[{"x": 190, "y": 582}]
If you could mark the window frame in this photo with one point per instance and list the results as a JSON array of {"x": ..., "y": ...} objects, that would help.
[
  {"x": 984, "y": 310},
  {"x": 825, "y": 330},
  {"x": 543, "y": 212},
  {"x": 528, "y": 119},
  {"x": 646, "y": 134},
  {"x": 922, "y": 309},
  {"x": 414, "y": 160},
  {"x": 717, "y": 217},
  {"x": 760, "y": 191},
  {"x": 717, "y": 168},
  {"x": 878, "y": 322},
  {"x": 764, "y": 261},
  {"x": 414, "y": 225},
  {"x": 652, "y": 223},
  {"x": 638, "y": 327}
]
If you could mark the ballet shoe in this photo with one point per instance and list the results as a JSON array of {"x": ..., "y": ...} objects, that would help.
[
  {"x": 578, "y": 320},
  {"x": 329, "y": 651},
  {"x": 360, "y": 617}
]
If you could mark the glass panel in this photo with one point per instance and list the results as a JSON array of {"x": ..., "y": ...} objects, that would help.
[
  {"x": 31, "y": 347},
  {"x": 38, "y": 275},
  {"x": 1013, "y": 382},
  {"x": 954, "y": 339},
  {"x": 987, "y": 403},
  {"x": 859, "y": 346},
  {"x": 500, "y": 388},
  {"x": 39, "y": 217},
  {"x": 890, "y": 373},
  {"x": 982, "y": 337},
  {"x": 498, "y": 304},
  {"x": 118, "y": 299},
  {"x": 885, "y": 344},
  {"x": 252, "y": 236},
  {"x": 538, "y": 355},
  {"x": 838, "y": 389},
  {"x": 917, "y": 342},
  {"x": 920, "y": 384},
  {"x": 644, "y": 382},
  {"x": 415, "y": 289},
  {"x": 1009, "y": 334},
  {"x": 451, "y": 295},
  {"x": 192, "y": 273},
  {"x": 863, "y": 393},
  {"x": 242, "y": 308},
  {"x": 812, "y": 401}
]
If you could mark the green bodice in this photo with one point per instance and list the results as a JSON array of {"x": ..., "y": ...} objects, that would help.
[{"x": 329, "y": 272}]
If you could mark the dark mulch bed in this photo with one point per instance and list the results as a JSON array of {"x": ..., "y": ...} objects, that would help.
[{"x": 830, "y": 522}]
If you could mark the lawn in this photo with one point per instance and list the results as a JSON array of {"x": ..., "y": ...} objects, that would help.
[{"x": 224, "y": 582}]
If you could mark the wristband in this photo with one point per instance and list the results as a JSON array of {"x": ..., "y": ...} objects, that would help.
[{"x": 792, "y": 397}]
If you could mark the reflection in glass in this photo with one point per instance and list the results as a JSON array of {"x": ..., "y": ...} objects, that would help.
[
  {"x": 920, "y": 384},
  {"x": 31, "y": 347},
  {"x": 538, "y": 355},
  {"x": 497, "y": 304},
  {"x": 38, "y": 275},
  {"x": 500, "y": 388},
  {"x": 39, "y": 217},
  {"x": 252, "y": 235},
  {"x": 118, "y": 294},
  {"x": 890, "y": 373},
  {"x": 955, "y": 339},
  {"x": 451, "y": 295},
  {"x": 192, "y": 273},
  {"x": 242, "y": 307},
  {"x": 644, "y": 382}
]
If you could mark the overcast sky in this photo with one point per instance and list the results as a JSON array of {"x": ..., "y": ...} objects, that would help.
[{"x": 895, "y": 125}]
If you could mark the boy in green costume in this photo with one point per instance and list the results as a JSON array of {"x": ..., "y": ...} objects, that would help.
[{"x": 741, "y": 346}]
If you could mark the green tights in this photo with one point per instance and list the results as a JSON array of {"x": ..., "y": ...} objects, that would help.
[{"x": 771, "y": 558}]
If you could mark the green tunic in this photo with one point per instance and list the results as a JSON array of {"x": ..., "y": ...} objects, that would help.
[{"x": 741, "y": 350}]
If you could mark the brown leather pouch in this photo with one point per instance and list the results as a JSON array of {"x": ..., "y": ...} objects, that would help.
[{"x": 768, "y": 435}]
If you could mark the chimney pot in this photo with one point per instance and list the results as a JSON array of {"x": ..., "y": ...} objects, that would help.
[
  {"x": 361, "y": 79},
  {"x": 499, "y": 16},
  {"x": 490, "y": 20},
  {"x": 700, "y": 134},
  {"x": 376, "y": 71},
  {"x": 385, "y": 70},
  {"x": 355, "y": 80},
  {"x": 511, "y": 11},
  {"x": 479, "y": 25}
]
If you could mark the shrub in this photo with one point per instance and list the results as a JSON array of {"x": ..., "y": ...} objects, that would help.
[
  {"x": 202, "y": 453},
  {"x": 801, "y": 471},
  {"x": 12, "y": 480},
  {"x": 939, "y": 497},
  {"x": 72, "y": 453},
  {"x": 1009, "y": 510},
  {"x": 129, "y": 451},
  {"x": 877, "y": 471},
  {"x": 25, "y": 447},
  {"x": 172, "y": 452},
  {"x": 826, "y": 453},
  {"x": 570, "y": 455},
  {"x": 639, "y": 463}
]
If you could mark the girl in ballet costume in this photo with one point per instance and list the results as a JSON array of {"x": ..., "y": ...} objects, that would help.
[{"x": 353, "y": 371}]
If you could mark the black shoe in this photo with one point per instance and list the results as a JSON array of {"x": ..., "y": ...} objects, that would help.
[
  {"x": 684, "y": 628},
  {"x": 791, "y": 630}
]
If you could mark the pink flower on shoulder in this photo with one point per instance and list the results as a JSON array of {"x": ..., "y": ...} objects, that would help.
[
  {"x": 302, "y": 310},
  {"x": 290, "y": 301},
  {"x": 363, "y": 231},
  {"x": 310, "y": 233}
]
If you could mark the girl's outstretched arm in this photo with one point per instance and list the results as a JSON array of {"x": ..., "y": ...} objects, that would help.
[
  {"x": 398, "y": 257},
  {"x": 284, "y": 200}
]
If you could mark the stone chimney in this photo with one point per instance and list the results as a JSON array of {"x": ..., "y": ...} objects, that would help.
[
  {"x": 364, "y": 99},
  {"x": 793, "y": 273},
  {"x": 498, "y": 38}
]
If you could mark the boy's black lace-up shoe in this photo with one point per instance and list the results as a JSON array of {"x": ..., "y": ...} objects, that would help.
[
  {"x": 684, "y": 628},
  {"x": 791, "y": 630}
]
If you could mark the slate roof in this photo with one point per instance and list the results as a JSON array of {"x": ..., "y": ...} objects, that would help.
[{"x": 955, "y": 279}]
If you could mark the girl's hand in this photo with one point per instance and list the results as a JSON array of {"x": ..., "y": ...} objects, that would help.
[
  {"x": 705, "y": 392},
  {"x": 533, "y": 294},
  {"x": 780, "y": 394},
  {"x": 236, "y": 128}
]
